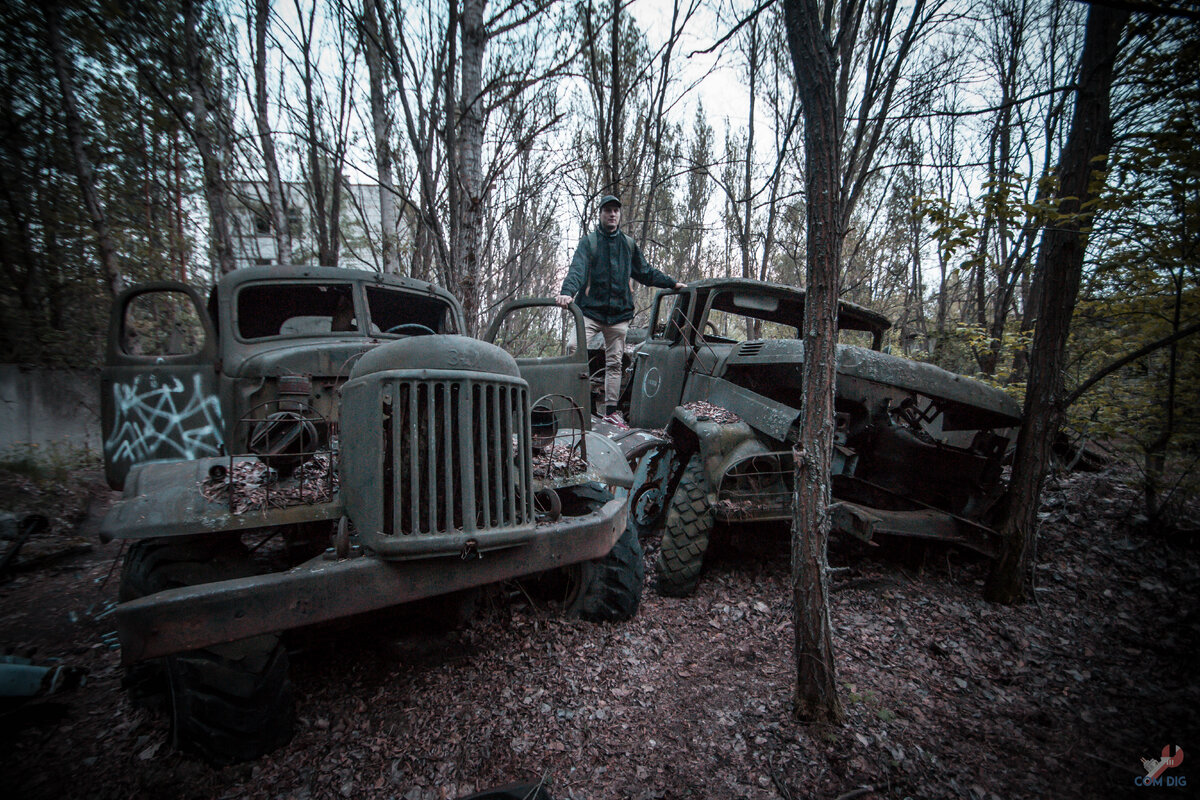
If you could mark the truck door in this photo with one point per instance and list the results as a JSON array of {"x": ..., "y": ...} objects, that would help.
[
  {"x": 660, "y": 363},
  {"x": 551, "y": 351},
  {"x": 158, "y": 387}
]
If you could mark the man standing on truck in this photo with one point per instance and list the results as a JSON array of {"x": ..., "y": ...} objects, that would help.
[{"x": 598, "y": 281}]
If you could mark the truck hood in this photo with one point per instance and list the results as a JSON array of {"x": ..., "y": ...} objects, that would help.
[
  {"x": 962, "y": 396},
  {"x": 314, "y": 356}
]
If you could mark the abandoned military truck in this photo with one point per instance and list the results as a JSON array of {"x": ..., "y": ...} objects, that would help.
[
  {"x": 918, "y": 450},
  {"x": 311, "y": 444}
]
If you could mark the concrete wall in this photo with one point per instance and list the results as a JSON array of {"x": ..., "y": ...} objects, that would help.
[{"x": 49, "y": 408}]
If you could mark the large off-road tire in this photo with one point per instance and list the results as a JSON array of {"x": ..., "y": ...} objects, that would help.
[
  {"x": 229, "y": 702},
  {"x": 686, "y": 534},
  {"x": 608, "y": 589}
]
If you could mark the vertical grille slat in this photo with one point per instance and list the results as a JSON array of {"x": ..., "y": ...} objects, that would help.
[
  {"x": 510, "y": 497},
  {"x": 524, "y": 455},
  {"x": 483, "y": 479},
  {"x": 467, "y": 478},
  {"x": 448, "y": 490},
  {"x": 429, "y": 496},
  {"x": 389, "y": 477},
  {"x": 497, "y": 448},
  {"x": 413, "y": 447}
]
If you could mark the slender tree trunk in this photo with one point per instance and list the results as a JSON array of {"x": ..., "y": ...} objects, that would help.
[
  {"x": 275, "y": 196},
  {"x": 748, "y": 173},
  {"x": 383, "y": 141},
  {"x": 179, "y": 240},
  {"x": 316, "y": 167},
  {"x": 599, "y": 99},
  {"x": 1059, "y": 270},
  {"x": 83, "y": 165},
  {"x": 215, "y": 189},
  {"x": 815, "y": 66},
  {"x": 470, "y": 164},
  {"x": 450, "y": 119},
  {"x": 615, "y": 114},
  {"x": 660, "y": 123},
  {"x": 1156, "y": 452}
]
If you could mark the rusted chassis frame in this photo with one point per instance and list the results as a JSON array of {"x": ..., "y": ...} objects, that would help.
[{"x": 321, "y": 590}]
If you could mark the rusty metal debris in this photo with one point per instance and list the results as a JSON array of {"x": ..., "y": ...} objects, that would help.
[
  {"x": 708, "y": 411},
  {"x": 251, "y": 485},
  {"x": 558, "y": 460},
  {"x": 749, "y": 509},
  {"x": 20, "y": 677}
]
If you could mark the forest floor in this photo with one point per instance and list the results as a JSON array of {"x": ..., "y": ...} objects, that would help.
[{"x": 945, "y": 695}]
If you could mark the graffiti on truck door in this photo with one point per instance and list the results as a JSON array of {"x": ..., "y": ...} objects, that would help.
[{"x": 160, "y": 417}]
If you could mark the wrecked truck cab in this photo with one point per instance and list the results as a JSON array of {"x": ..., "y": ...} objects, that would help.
[
  {"x": 312, "y": 444},
  {"x": 185, "y": 379},
  {"x": 918, "y": 450}
]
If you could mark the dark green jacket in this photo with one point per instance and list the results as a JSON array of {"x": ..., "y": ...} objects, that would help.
[{"x": 599, "y": 276}]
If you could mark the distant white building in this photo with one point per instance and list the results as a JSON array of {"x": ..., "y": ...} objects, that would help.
[{"x": 361, "y": 227}]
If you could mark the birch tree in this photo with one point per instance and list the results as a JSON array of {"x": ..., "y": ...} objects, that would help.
[
  {"x": 276, "y": 199},
  {"x": 381, "y": 128}
]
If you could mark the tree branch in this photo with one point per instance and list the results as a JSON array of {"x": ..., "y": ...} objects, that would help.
[
  {"x": 733, "y": 32},
  {"x": 1104, "y": 372}
]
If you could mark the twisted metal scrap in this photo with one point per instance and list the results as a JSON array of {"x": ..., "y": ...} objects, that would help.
[{"x": 251, "y": 486}]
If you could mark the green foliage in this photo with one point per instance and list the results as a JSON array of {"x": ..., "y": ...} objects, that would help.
[
  {"x": 1145, "y": 285},
  {"x": 869, "y": 699},
  {"x": 54, "y": 297}
]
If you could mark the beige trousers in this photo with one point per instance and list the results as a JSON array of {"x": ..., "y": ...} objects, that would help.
[{"x": 614, "y": 349}]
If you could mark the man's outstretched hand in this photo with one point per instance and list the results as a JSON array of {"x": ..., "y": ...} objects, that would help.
[{"x": 563, "y": 300}]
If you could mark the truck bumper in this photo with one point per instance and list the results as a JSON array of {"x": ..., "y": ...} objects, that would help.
[{"x": 325, "y": 589}]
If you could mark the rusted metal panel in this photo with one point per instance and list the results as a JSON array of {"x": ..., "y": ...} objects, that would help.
[
  {"x": 165, "y": 500},
  {"x": 762, "y": 413},
  {"x": 322, "y": 590},
  {"x": 889, "y": 513}
]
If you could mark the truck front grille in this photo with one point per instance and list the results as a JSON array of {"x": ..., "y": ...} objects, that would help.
[{"x": 455, "y": 457}]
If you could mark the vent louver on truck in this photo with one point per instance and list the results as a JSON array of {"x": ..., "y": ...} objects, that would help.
[{"x": 751, "y": 348}]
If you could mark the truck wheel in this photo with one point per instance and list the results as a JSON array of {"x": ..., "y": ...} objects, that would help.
[
  {"x": 609, "y": 589},
  {"x": 229, "y": 702},
  {"x": 685, "y": 538}
]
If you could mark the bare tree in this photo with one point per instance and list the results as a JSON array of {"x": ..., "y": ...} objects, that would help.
[
  {"x": 83, "y": 164},
  {"x": 814, "y": 60},
  {"x": 206, "y": 119},
  {"x": 266, "y": 137},
  {"x": 1056, "y": 286},
  {"x": 382, "y": 130},
  {"x": 447, "y": 86},
  {"x": 324, "y": 128}
]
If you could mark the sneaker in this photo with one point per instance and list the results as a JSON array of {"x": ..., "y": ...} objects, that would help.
[{"x": 615, "y": 418}]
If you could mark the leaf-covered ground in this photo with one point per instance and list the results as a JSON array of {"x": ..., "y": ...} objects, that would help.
[{"x": 946, "y": 696}]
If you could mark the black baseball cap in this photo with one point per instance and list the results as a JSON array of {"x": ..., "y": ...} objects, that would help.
[{"x": 609, "y": 198}]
